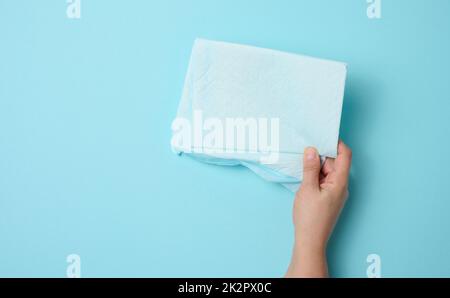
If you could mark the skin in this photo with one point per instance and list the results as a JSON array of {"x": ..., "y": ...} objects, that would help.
[{"x": 317, "y": 206}]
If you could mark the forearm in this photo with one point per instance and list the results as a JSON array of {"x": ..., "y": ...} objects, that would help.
[{"x": 308, "y": 262}]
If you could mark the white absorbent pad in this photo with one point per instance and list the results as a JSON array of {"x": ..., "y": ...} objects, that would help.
[{"x": 259, "y": 108}]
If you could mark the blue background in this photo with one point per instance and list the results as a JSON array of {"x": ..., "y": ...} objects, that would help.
[{"x": 86, "y": 167}]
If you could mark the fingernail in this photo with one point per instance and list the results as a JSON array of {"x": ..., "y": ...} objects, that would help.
[{"x": 310, "y": 153}]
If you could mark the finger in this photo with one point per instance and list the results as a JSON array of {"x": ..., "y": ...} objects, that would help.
[
  {"x": 311, "y": 168},
  {"x": 343, "y": 160},
  {"x": 328, "y": 166}
]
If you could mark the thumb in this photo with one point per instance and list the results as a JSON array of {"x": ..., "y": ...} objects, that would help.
[{"x": 311, "y": 168}]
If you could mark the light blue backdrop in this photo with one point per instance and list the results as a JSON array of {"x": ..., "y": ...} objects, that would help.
[{"x": 86, "y": 167}]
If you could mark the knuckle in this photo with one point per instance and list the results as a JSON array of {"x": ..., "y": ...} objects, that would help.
[
  {"x": 342, "y": 180},
  {"x": 349, "y": 153}
]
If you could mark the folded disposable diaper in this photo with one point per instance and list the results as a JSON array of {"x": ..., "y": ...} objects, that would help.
[{"x": 258, "y": 108}]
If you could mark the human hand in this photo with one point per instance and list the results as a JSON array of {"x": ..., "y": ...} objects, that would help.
[{"x": 317, "y": 206}]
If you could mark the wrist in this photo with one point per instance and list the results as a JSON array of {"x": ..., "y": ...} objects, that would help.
[
  {"x": 309, "y": 249},
  {"x": 310, "y": 245}
]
